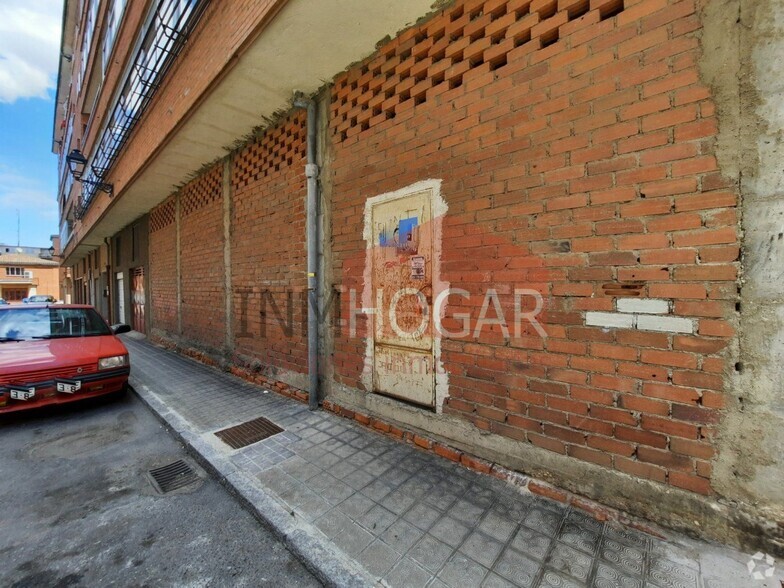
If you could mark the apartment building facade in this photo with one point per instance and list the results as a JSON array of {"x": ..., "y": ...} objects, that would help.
[
  {"x": 26, "y": 271},
  {"x": 510, "y": 228}
]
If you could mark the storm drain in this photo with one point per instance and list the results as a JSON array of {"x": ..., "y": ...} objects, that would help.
[
  {"x": 173, "y": 476},
  {"x": 248, "y": 433}
]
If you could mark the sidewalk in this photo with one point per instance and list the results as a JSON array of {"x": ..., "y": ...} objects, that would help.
[{"x": 361, "y": 509}]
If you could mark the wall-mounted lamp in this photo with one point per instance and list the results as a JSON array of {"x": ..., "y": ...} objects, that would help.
[
  {"x": 76, "y": 164},
  {"x": 66, "y": 57},
  {"x": 51, "y": 251}
]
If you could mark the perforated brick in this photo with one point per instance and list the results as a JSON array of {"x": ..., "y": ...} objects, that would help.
[{"x": 427, "y": 60}]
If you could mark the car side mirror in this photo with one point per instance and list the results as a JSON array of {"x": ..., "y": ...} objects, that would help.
[{"x": 120, "y": 329}]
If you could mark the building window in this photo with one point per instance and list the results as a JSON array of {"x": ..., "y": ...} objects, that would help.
[
  {"x": 113, "y": 19},
  {"x": 14, "y": 271},
  {"x": 87, "y": 39},
  {"x": 14, "y": 295}
]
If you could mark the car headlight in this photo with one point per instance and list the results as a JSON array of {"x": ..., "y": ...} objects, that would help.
[{"x": 108, "y": 363}]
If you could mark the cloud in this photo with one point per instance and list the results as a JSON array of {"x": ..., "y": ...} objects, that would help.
[
  {"x": 23, "y": 193},
  {"x": 29, "y": 47}
]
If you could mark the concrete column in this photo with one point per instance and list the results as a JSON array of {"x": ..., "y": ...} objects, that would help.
[{"x": 743, "y": 42}]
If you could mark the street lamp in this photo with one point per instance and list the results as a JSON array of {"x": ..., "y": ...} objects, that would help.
[{"x": 76, "y": 164}]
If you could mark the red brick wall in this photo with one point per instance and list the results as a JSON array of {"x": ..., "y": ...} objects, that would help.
[
  {"x": 268, "y": 247},
  {"x": 163, "y": 266},
  {"x": 575, "y": 142},
  {"x": 201, "y": 261}
]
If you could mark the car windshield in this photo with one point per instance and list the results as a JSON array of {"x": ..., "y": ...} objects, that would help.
[{"x": 21, "y": 324}]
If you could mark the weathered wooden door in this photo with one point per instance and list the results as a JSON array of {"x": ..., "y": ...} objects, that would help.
[
  {"x": 403, "y": 290},
  {"x": 137, "y": 299}
]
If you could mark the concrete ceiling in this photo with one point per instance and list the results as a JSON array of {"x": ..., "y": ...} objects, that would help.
[{"x": 304, "y": 47}]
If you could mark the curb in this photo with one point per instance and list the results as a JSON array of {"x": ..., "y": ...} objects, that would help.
[{"x": 319, "y": 556}]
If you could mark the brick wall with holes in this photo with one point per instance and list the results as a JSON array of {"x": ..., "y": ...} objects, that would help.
[
  {"x": 576, "y": 146},
  {"x": 268, "y": 254},
  {"x": 163, "y": 266},
  {"x": 203, "y": 277}
]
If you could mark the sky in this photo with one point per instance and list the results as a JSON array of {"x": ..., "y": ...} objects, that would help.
[{"x": 29, "y": 48}]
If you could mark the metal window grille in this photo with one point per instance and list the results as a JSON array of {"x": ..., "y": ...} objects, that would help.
[{"x": 172, "y": 24}]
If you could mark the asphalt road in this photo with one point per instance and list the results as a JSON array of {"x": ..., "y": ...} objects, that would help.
[{"x": 77, "y": 509}]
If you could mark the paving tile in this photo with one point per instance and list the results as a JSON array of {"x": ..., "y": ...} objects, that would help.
[
  {"x": 531, "y": 543},
  {"x": 450, "y": 531},
  {"x": 300, "y": 468},
  {"x": 496, "y": 581},
  {"x": 356, "y": 505},
  {"x": 376, "y": 490},
  {"x": 335, "y": 493},
  {"x": 401, "y": 536},
  {"x": 543, "y": 520},
  {"x": 629, "y": 560},
  {"x": 551, "y": 579},
  {"x": 628, "y": 536},
  {"x": 312, "y": 508},
  {"x": 378, "y": 558},
  {"x": 511, "y": 508},
  {"x": 570, "y": 562},
  {"x": 430, "y": 553},
  {"x": 609, "y": 577},
  {"x": 277, "y": 480},
  {"x": 467, "y": 512},
  {"x": 482, "y": 548},
  {"x": 673, "y": 553},
  {"x": 409, "y": 574},
  {"x": 328, "y": 460},
  {"x": 461, "y": 571},
  {"x": 517, "y": 568},
  {"x": 579, "y": 537},
  {"x": 480, "y": 496},
  {"x": 377, "y": 520},
  {"x": 345, "y": 451},
  {"x": 353, "y": 540},
  {"x": 422, "y": 515},
  {"x": 498, "y": 527},
  {"x": 333, "y": 522},
  {"x": 398, "y": 501},
  {"x": 668, "y": 574},
  {"x": 358, "y": 479}
]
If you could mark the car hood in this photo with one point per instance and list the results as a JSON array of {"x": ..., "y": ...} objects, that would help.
[{"x": 46, "y": 354}]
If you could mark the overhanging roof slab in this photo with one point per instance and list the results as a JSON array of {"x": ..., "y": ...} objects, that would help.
[{"x": 306, "y": 44}]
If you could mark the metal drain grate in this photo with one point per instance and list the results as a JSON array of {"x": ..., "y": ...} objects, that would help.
[
  {"x": 173, "y": 476},
  {"x": 248, "y": 433}
]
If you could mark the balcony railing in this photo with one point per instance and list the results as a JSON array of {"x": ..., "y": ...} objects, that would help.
[
  {"x": 164, "y": 38},
  {"x": 26, "y": 280}
]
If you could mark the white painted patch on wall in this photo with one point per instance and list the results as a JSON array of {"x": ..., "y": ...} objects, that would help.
[
  {"x": 645, "y": 314},
  {"x": 609, "y": 320},
  {"x": 643, "y": 305}
]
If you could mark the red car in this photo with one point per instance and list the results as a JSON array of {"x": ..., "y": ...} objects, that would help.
[{"x": 57, "y": 353}]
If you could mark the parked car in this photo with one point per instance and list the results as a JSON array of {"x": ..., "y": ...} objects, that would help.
[
  {"x": 3, "y": 302},
  {"x": 39, "y": 299},
  {"x": 53, "y": 354}
]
